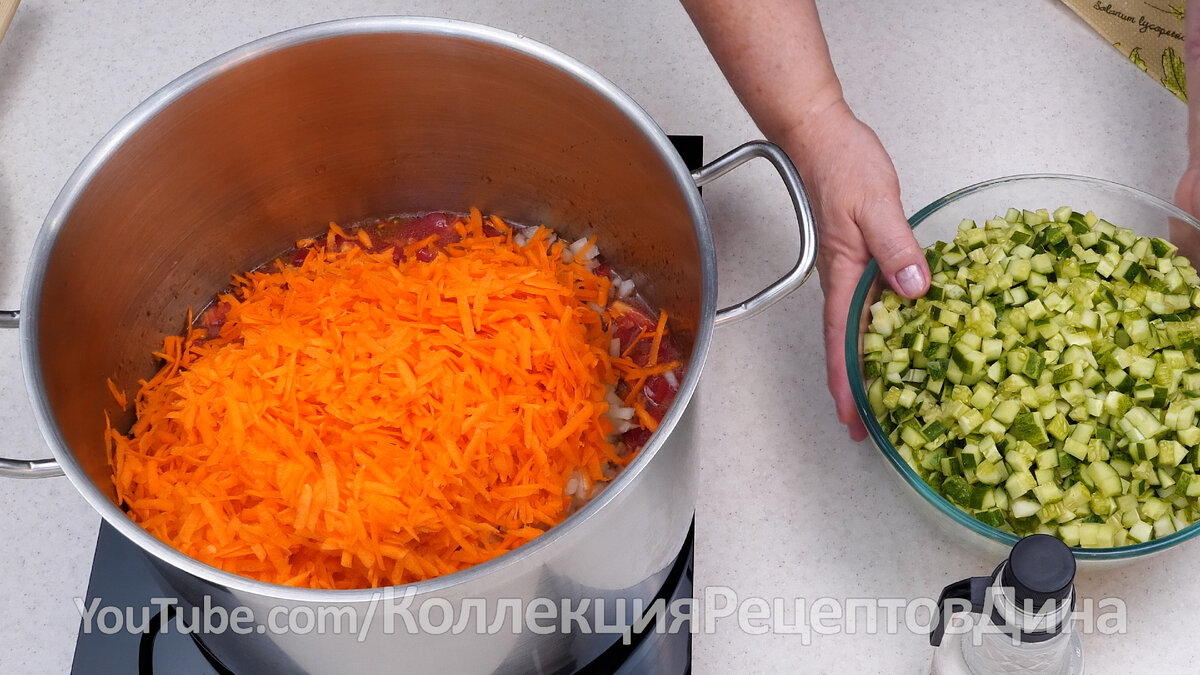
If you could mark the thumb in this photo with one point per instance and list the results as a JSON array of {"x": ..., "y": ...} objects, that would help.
[
  {"x": 890, "y": 240},
  {"x": 1187, "y": 197}
]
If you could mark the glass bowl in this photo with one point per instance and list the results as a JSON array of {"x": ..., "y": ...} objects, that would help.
[{"x": 1121, "y": 205}]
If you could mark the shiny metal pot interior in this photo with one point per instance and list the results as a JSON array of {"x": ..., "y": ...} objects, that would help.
[{"x": 229, "y": 164}]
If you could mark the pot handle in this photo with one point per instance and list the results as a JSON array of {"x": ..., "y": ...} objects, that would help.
[
  {"x": 24, "y": 468},
  {"x": 804, "y": 215}
]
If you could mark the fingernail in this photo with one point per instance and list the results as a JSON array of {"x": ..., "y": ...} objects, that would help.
[{"x": 910, "y": 281}]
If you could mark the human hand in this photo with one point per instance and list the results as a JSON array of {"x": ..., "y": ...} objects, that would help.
[
  {"x": 856, "y": 199},
  {"x": 1187, "y": 194},
  {"x": 1187, "y": 197}
]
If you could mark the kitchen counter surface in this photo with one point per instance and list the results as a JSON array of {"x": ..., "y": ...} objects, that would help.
[{"x": 790, "y": 510}]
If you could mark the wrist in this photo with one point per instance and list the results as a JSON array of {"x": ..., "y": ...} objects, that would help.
[{"x": 815, "y": 131}]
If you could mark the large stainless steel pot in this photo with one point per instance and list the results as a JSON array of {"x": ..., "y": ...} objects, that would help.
[{"x": 339, "y": 121}]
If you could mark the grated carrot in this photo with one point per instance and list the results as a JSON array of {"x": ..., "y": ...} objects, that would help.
[
  {"x": 656, "y": 342},
  {"x": 636, "y": 338},
  {"x": 644, "y": 417},
  {"x": 362, "y": 422},
  {"x": 118, "y": 395}
]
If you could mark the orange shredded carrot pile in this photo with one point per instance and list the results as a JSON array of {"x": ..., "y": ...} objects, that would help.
[{"x": 361, "y": 422}]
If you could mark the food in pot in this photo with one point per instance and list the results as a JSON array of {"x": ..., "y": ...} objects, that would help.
[
  {"x": 395, "y": 402},
  {"x": 1048, "y": 381}
]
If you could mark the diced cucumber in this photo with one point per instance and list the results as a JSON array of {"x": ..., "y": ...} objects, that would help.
[{"x": 1049, "y": 381}]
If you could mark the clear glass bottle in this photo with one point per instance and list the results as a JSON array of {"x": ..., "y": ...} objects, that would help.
[{"x": 1024, "y": 622}]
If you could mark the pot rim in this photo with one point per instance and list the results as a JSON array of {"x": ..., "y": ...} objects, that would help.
[{"x": 129, "y": 126}]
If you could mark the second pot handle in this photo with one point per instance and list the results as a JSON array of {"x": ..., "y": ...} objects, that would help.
[
  {"x": 804, "y": 216},
  {"x": 25, "y": 468}
]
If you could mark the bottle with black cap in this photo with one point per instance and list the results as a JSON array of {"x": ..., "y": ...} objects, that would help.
[{"x": 1025, "y": 616}]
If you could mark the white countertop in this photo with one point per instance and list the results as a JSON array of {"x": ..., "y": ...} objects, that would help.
[{"x": 789, "y": 507}]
